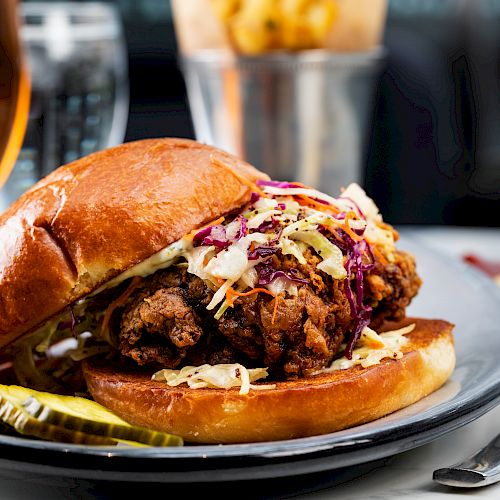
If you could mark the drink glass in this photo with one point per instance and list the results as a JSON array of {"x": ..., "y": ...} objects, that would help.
[
  {"x": 14, "y": 89},
  {"x": 79, "y": 100}
]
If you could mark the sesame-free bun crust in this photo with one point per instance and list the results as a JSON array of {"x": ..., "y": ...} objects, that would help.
[
  {"x": 297, "y": 408},
  {"x": 92, "y": 219}
]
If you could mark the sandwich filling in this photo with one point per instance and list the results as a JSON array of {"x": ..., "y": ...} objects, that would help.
[{"x": 289, "y": 283}]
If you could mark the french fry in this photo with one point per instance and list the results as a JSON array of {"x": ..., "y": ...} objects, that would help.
[
  {"x": 257, "y": 26},
  {"x": 253, "y": 27}
]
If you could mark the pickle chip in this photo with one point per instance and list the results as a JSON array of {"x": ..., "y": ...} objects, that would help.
[
  {"x": 16, "y": 418},
  {"x": 83, "y": 416}
]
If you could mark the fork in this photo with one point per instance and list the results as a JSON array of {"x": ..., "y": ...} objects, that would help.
[{"x": 481, "y": 469}]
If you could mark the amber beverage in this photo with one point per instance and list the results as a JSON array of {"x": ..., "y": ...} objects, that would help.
[{"x": 14, "y": 88}]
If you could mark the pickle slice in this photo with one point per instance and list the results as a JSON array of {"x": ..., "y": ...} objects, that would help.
[
  {"x": 15, "y": 417},
  {"x": 83, "y": 415}
]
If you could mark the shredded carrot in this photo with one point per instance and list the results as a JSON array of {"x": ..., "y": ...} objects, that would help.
[
  {"x": 231, "y": 294},
  {"x": 240, "y": 177},
  {"x": 347, "y": 229},
  {"x": 375, "y": 344},
  {"x": 120, "y": 301},
  {"x": 276, "y": 299},
  {"x": 316, "y": 204},
  {"x": 379, "y": 255},
  {"x": 220, "y": 220}
]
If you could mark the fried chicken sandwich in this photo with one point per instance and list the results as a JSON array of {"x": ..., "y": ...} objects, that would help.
[{"x": 203, "y": 299}]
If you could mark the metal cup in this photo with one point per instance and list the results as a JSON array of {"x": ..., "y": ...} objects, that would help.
[{"x": 297, "y": 116}]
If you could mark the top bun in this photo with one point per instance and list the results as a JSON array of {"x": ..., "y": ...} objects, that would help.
[{"x": 90, "y": 220}]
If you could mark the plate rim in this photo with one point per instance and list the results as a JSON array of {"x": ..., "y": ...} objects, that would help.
[{"x": 422, "y": 424}]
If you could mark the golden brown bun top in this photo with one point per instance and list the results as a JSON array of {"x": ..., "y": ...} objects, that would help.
[{"x": 90, "y": 220}]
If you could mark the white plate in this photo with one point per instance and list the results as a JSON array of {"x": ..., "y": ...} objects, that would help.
[{"x": 451, "y": 291}]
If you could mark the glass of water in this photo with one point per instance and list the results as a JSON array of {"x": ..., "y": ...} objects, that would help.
[{"x": 79, "y": 103}]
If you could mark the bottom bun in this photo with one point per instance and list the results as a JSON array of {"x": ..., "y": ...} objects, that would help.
[{"x": 304, "y": 407}]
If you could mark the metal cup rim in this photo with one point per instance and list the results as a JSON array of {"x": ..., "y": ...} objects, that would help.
[{"x": 309, "y": 58}]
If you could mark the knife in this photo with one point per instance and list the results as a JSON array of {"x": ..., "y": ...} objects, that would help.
[{"x": 481, "y": 469}]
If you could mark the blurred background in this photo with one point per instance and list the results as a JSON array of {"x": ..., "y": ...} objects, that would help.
[{"x": 430, "y": 145}]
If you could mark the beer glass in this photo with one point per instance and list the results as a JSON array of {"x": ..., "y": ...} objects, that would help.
[
  {"x": 14, "y": 89},
  {"x": 77, "y": 57}
]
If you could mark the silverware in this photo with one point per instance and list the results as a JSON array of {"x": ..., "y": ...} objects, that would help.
[{"x": 481, "y": 469}]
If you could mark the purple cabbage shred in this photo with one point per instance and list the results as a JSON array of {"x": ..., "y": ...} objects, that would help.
[
  {"x": 277, "y": 184},
  {"x": 243, "y": 227},
  {"x": 267, "y": 274},
  {"x": 360, "y": 312},
  {"x": 356, "y": 206},
  {"x": 74, "y": 321},
  {"x": 71, "y": 324},
  {"x": 262, "y": 252},
  {"x": 323, "y": 202},
  {"x": 212, "y": 235},
  {"x": 254, "y": 197},
  {"x": 278, "y": 230},
  {"x": 268, "y": 225}
]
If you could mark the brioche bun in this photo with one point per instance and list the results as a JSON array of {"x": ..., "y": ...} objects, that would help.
[
  {"x": 304, "y": 407},
  {"x": 92, "y": 219}
]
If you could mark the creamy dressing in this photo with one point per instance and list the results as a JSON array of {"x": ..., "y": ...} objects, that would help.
[{"x": 160, "y": 260}]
